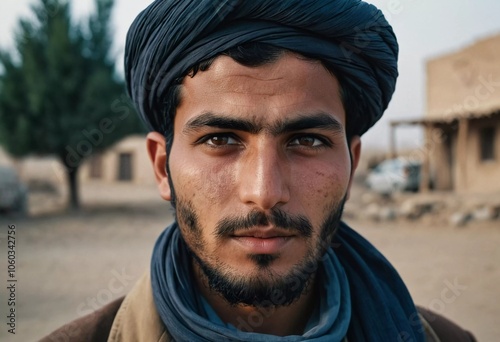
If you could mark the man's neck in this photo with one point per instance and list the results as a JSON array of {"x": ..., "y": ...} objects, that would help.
[{"x": 279, "y": 321}]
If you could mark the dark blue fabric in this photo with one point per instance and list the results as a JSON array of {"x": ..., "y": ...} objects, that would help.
[
  {"x": 381, "y": 307},
  {"x": 351, "y": 36},
  {"x": 183, "y": 313}
]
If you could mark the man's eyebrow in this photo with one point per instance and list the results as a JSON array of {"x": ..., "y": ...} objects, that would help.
[
  {"x": 319, "y": 120},
  {"x": 209, "y": 119}
]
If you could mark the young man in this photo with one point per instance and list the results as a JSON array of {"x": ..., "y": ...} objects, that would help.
[{"x": 256, "y": 109}]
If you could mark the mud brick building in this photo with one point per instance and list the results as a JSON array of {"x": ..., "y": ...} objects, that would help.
[{"x": 462, "y": 120}]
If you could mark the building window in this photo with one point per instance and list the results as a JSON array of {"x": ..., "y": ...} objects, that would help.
[
  {"x": 125, "y": 167},
  {"x": 96, "y": 166},
  {"x": 487, "y": 140}
]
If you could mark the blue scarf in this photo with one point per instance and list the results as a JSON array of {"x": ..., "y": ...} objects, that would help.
[{"x": 366, "y": 297}]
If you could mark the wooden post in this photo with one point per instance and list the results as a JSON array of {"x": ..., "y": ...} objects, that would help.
[
  {"x": 463, "y": 133},
  {"x": 425, "y": 170}
]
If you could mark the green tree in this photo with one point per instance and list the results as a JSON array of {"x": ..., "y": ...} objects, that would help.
[{"x": 59, "y": 91}]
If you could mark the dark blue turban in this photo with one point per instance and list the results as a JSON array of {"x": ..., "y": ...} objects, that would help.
[{"x": 351, "y": 37}]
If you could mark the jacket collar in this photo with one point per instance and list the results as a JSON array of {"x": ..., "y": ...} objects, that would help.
[{"x": 137, "y": 318}]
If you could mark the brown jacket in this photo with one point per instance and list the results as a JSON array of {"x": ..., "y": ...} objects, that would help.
[{"x": 134, "y": 318}]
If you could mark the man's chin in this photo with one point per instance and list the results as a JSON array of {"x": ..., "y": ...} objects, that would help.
[
  {"x": 263, "y": 286},
  {"x": 263, "y": 261}
]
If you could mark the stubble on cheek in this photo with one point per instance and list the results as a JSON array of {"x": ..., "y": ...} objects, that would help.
[{"x": 189, "y": 226}]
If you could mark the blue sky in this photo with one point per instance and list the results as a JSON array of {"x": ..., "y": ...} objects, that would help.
[{"x": 425, "y": 29}]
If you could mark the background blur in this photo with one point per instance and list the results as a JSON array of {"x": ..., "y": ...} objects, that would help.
[{"x": 433, "y": 206}]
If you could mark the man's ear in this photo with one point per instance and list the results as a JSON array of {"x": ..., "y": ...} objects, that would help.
[
  {"x": 155, "y": 144},
  {"x": 355, "y": 151}
]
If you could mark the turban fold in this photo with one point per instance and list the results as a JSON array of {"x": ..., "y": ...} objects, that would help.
[{"x": 351, "y": 37}]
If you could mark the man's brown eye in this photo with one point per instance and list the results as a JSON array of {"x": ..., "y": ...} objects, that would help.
[
  {"x": 307, "y": 141},
  {"x": 219, "y": 140}
]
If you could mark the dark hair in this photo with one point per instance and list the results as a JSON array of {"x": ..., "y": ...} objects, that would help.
[{"x": 252, "y": 55}]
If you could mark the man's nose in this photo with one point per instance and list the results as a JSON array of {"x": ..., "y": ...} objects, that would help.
[{"x": 264, "y": 178}]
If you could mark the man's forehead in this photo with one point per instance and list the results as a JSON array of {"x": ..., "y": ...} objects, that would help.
[
  {"x": 271, "y": 78},
  {"x": 286, "y": 62},
  {"x": 264, "y": 95}
]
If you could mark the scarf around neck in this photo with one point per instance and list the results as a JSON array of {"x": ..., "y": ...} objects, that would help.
[{"x": 366, "y": 298}]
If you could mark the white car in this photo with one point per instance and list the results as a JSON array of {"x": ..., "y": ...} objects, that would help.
[
  {"x": 13, "y": 194},
  {"x": 394, "y": 175}
]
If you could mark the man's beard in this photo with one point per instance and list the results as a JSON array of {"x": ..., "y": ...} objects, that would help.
[{"x": 272, "y": 290}]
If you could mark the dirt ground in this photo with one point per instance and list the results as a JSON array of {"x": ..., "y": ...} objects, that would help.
[{"x": 68, "y": 264}]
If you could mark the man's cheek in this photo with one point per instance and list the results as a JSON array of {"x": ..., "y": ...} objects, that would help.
[{"x": 217, "y": 185}]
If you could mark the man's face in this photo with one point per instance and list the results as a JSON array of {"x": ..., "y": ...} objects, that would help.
[{"x": 260, "y": 165}]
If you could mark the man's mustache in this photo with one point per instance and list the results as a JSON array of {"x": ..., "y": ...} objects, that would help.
[{"x": 277, "y": 218}]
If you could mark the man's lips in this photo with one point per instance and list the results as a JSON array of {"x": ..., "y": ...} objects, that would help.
[
  {"x": 266, "y": 233},
  {"x": 263, "y": 241}
]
